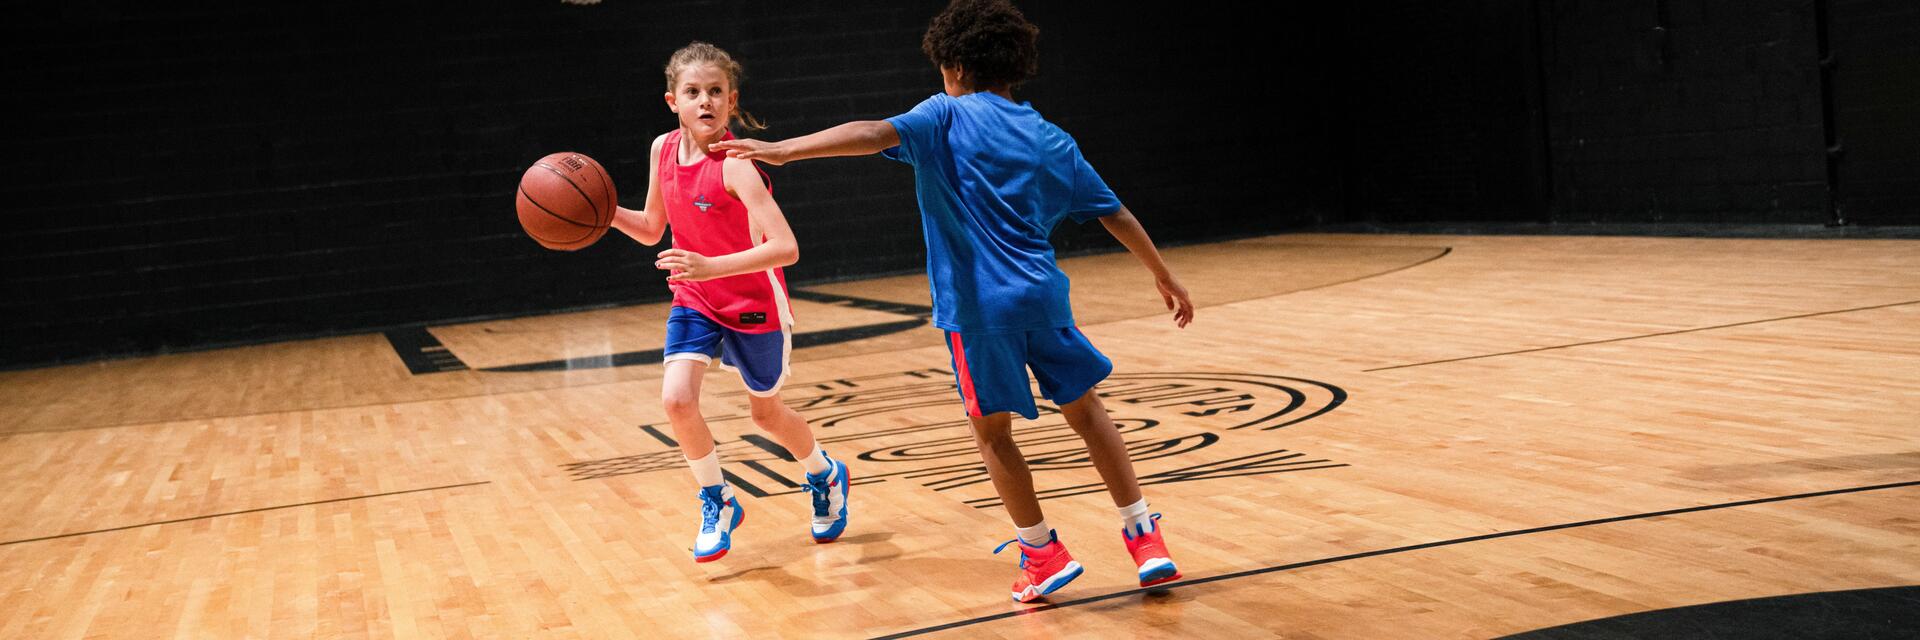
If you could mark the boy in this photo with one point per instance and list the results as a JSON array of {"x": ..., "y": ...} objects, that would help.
[{"x": 993, "y": 179}]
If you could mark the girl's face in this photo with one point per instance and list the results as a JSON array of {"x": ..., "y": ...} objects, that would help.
[{"x": 704, "y": 99}]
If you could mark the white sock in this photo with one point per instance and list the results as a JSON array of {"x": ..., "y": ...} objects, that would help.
[
  {"x": 816, "y": 463},
  {"x": 1037, "y": 535},
  {"x": 707, "y": 470},
  {"x": 1135, "y": 519}
]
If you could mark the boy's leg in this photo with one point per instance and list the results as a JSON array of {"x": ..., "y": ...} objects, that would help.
[
  {"x": 1011, "y": 479},
  {"x": 1045, "y": 565},
  {"x": 1068, "y": 366},
  {"x": 1105, "y": 446}
]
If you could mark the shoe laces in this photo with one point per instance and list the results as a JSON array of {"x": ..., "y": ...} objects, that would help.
[
  {"x": 1128, "y": 531},
  {"x": 710, "y": 505},
  {"x": 821, "y": 489},
  {"x": 1023, "y": 548}
]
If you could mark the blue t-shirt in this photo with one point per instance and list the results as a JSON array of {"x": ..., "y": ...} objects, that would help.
[{"x": 993, "y": 179}]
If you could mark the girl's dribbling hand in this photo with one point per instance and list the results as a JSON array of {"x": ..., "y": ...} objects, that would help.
[
  {"x": 749, "y": 149},
  {"x": 684, "y": 265}
]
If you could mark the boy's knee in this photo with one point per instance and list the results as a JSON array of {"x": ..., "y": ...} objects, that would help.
[{"x": 993, "y": 430}]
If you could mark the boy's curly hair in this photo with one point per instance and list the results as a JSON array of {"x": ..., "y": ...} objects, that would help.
[{"x": 990, "y": 40}]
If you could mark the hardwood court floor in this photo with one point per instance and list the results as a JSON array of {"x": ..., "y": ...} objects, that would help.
[{"x": 1360, "y": 437}]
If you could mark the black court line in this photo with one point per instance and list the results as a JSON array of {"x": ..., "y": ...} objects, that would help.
[
  {"x": 235, "y": 513},
  {"x": 1650, "y": 335},
  {"x": 422, "y": 352},
  {"x": 1381, "y": 552},
  {"x": 1444, "y": 252}
]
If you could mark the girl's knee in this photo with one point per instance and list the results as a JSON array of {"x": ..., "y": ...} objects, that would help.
[
  {"x": 768, "y": 414},
  {"x": 679, "y": 402}
]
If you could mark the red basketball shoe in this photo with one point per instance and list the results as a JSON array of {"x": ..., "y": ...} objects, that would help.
[
  {"x": 1150, "y": 554},
  {"x": 1043, "y": 569}
]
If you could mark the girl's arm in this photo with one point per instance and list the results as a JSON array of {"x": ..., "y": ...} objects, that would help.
[
  {"x": 646, "y": 226},
  {"x": 1128, "y": 231},
  {"x": 851, "y": 139},
  {"x": 779, "y": 249}
]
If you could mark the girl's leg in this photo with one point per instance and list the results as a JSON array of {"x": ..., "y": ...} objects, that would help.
[
  {"x": 829, "y": 480},
  {"x": 680, "y": 395},
  {"x": 786, "y": 426},
  {"x": 720, "y": 512}
]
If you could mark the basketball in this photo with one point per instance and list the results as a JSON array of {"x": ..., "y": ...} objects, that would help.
[{"x": 565, "y": 201}]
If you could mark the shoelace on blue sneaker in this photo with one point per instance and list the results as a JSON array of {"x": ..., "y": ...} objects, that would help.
[
  {"x": 710, "y": 505},
  {"x": 820, "y": 488}
]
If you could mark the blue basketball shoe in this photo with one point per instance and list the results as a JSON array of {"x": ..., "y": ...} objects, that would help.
[
  {"x": 720, "y": 514},
  {"x": 829, "y": 489}
]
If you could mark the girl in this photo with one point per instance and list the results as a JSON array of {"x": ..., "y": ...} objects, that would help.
[{"x": 729, "y": 295}]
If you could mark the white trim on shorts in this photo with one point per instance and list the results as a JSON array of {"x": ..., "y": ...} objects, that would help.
[{"x": 688, "y": 355}]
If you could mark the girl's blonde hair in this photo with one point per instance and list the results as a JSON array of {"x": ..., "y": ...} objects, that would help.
[{"x": 698, "y": 52}]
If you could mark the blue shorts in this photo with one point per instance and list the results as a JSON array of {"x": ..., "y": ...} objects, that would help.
[
  {"x": 990, "y": 369},
  {"x": 760, "y": 358}
]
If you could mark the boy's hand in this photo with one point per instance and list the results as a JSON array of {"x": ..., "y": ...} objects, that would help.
[
  {"x": 749, "y": 149},
  {"x": 691, "y": 267},
  {"x": 1176, "y": 298}
]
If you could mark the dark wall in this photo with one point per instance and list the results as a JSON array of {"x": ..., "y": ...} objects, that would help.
[
  {"x": 1442, "y": 106},
  {"x": 1876, "y": 87},
  {"x": 1685, "y": 111},
  {"x": 253, "y": 171}
]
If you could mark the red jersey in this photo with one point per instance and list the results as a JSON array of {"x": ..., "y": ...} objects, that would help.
[{"x": 707, "y": 220}]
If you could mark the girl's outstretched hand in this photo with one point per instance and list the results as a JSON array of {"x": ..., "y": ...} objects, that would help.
[
  {"x": 749, "y": 149},
  {"x": 1176, "y": 299},
  {"x": 684, "y": 265}
]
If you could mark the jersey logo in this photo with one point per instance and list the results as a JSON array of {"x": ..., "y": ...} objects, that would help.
[
  {"x": 702, "y": 202},
  {"x": 753, "y": 317}
]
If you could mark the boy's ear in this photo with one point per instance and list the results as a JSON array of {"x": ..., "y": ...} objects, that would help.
[{"x": 673, "y": 103}]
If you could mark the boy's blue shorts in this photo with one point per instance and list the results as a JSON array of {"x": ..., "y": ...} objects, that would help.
[
  {"x": 990, "y": 369},
  {"x": 760, "y": 358}
]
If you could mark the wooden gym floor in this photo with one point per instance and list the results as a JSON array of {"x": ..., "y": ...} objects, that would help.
[{"x": 1360, "y": 437}]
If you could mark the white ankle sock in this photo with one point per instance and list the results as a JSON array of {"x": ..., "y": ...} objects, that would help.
[
  {"x": 817, "y": 462},
  {"x": 1037, "y": 535},
  {"x": 707, "y": 470},
  {"x": 1135, "y": 519}
]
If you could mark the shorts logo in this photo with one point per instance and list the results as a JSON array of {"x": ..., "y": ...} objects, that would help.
[{"x": 702, "y": 202}]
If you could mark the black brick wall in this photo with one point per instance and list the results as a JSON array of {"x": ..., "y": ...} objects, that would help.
[
  {"x": 253, "y": 171},
  {"x": 1698, "y": 111},
  {"x": 1443, "y": 109},
  {"x": 1876, "y": 86},
  {"x": 249, "y": 171}
]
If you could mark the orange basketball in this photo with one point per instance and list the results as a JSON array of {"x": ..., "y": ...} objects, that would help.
[{"x": 565, "y": 201}]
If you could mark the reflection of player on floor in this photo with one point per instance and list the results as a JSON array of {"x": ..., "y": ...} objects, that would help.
[
  {"x": 729, "y": 295},
  {"x": 993, "y": 179}
]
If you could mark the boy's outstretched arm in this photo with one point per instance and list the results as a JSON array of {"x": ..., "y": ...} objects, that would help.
[
  {"x": 851, "y": 139},
  {"x": 1128, "y": 231}
]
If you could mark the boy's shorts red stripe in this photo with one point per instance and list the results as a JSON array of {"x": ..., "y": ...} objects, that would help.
[{"x": 960, "y": 373}]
